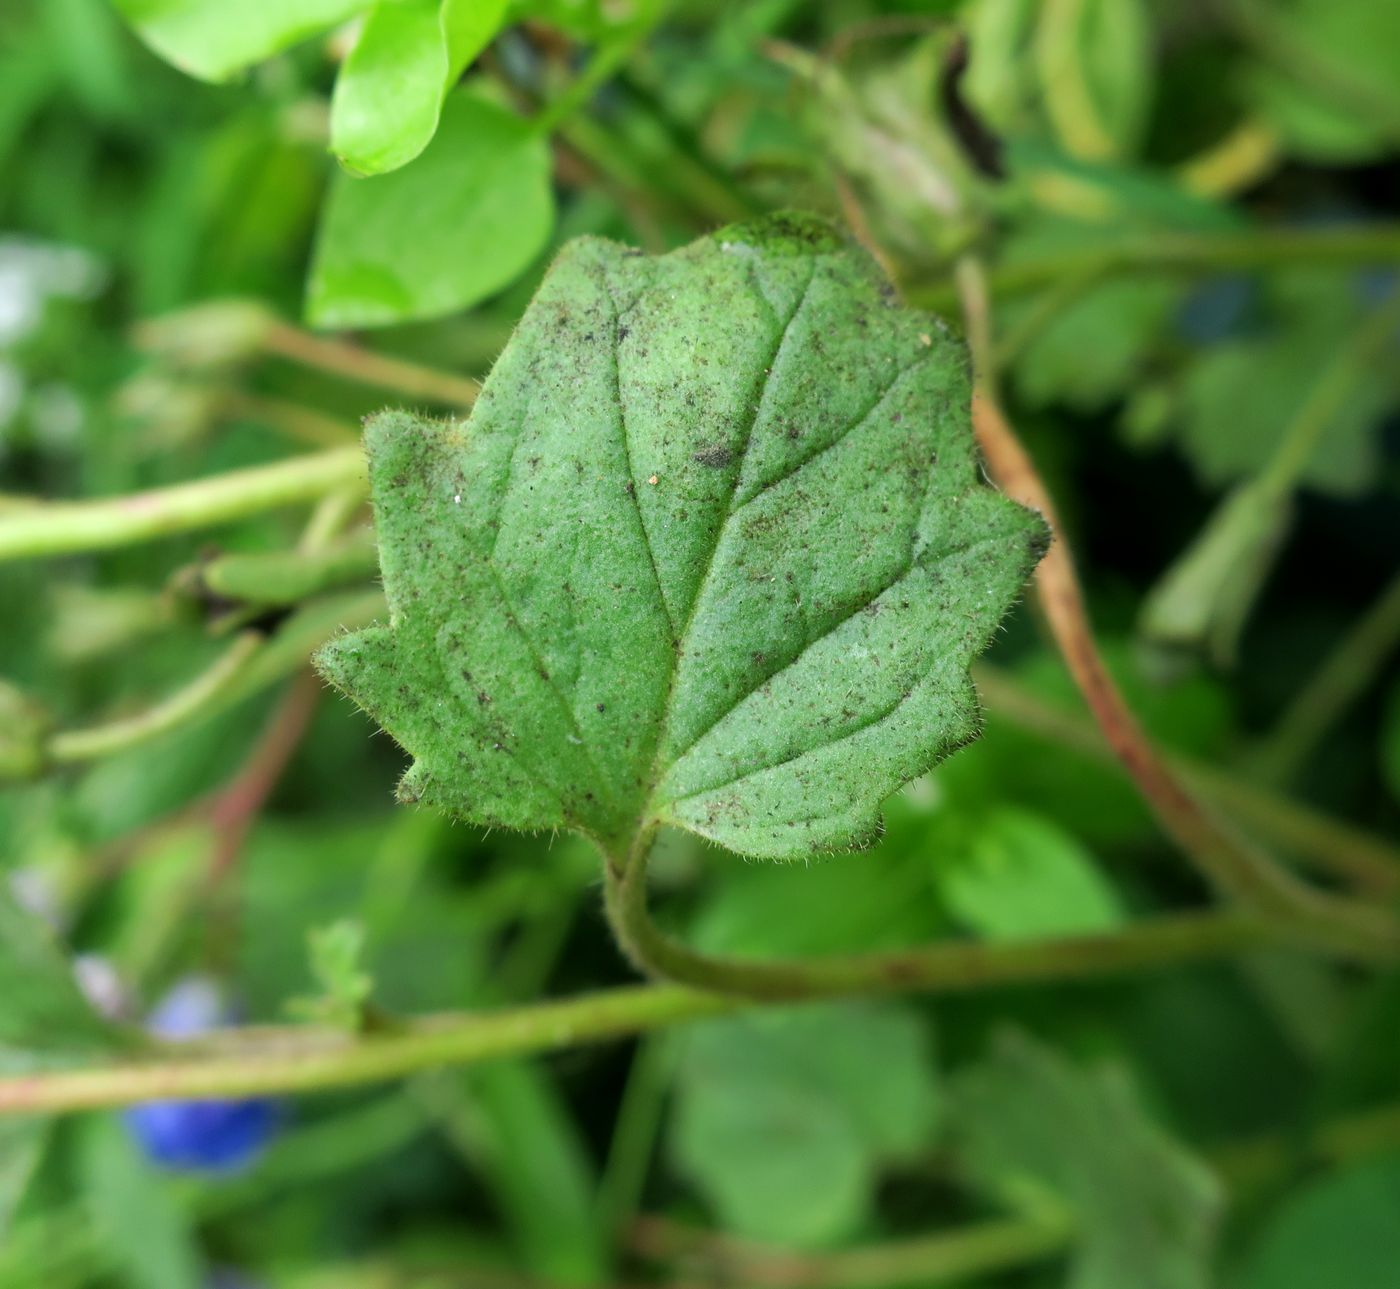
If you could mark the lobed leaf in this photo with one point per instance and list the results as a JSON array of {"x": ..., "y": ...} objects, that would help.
[
  {"x": 1038, "y": 1130},
  {"x": 784, "y": 1124},
  {"x": 712, "y": 552}
]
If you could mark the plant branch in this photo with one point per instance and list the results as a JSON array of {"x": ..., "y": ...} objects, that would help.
[
  {"x": 1328, "y": 844},
  {"x": 950, "y": 965},
  {"x": 283, "y": 1059},
  {"x": 72, "y": 747},
  {"x": 1232, "y": 864},
  {"x": 1355, "y": 246},
  {"x": 288, "y": 576},
  {"x": 67, "y": 527},
  {"x": 606, "y": 62},
  {"x": 235, "y": 809}
]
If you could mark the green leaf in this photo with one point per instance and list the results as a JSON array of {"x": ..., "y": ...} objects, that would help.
[
  {"x": 1329, "y": 80},
  {"x": 886, "y": 901},
  {"x": 998, "y": 79},
  {"x": 213, "y": 39},
  {"x": 458, "y": 225},
  {"x": 712, "y": 552},
  {"x": 1202, "y": 602},
  {"x": 1023, "y": 876},
  {"x": 336, "y": 953},
  {"x": 43, "y": 1014},
  {"x": 1339, "y": 1230},
  {"x": 783, "y": 1121},
  {"x": 135, "y": 1211},
  {"x": 1035, "y": 1129},
  {"x": 1239, "y": 397},
  {"x": 22, "y": 1143},
  {"x": 1094, "y": 348},
  {"x": 389, "y": 94}
]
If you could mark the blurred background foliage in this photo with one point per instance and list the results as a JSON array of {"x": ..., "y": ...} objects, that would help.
[{"x": 1191, "y": 214}]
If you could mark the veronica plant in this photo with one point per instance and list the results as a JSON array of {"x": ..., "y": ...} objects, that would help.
[{"x": 712, "y": 552}]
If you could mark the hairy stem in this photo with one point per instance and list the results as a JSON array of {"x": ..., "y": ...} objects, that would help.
[
  {"x": 951, "y": 965},
  {"x": 1328, "y": 844},
  {"x": 66, "y": 527},
  {"x": 276, "y": 1059},
  {"x": 1232, "y": 864}
]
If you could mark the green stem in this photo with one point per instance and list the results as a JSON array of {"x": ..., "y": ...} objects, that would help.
[
  {"x": 332, "y": 515},
  {"x": 1064, "y": 87},
  {"x": 282, "y": 1059},
  {"x": 602, "y": 67},
  {"x": 71, "y": 747},
  {"x": 952, "y": 965},
  {"x": 1233, "y": 864},
  {"x": 1356, "y": 246},
  {"x": 66, "y": 527},
  {"x": 287, "y": 577},
  {"x": 1330, "y": 845}
]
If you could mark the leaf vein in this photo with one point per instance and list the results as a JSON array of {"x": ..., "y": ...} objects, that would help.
[
  {"x": 857, "y": 424},
  {"x": 632, "y": 486},
  {"x": 917, "y": 562}
]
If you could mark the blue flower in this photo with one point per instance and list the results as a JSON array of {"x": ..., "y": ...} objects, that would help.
[{"x": 213, "y": 1135}]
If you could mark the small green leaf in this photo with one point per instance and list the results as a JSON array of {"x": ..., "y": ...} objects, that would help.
[
  {"x": 213, "y": 39},
  {"x": 24, "y": 730},
  {"x": 458, "y": 225},
  {"x": 336, "y": 963},
  {"x": 998, "y": 79},
  {"x": 1329, "y": 80},
  {"x": 783, "y": 1120},
  {"x": 1339, "y": 1230},
  {"x": 22, "y": 1143},
  {"x": 1094, "y": 348},
  {"x": 43, "y": 1014},
  {"x": 1034, "y": 1129},
  {"x": 1023, "y": 876},
  {"x": 389, "y": 94},
  {"x": 1240, "y": 396},
  {"x": 1203, "y": 601},
  {"x": 135, "y": 1211},
  {"x": 712, "y": 552}
]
